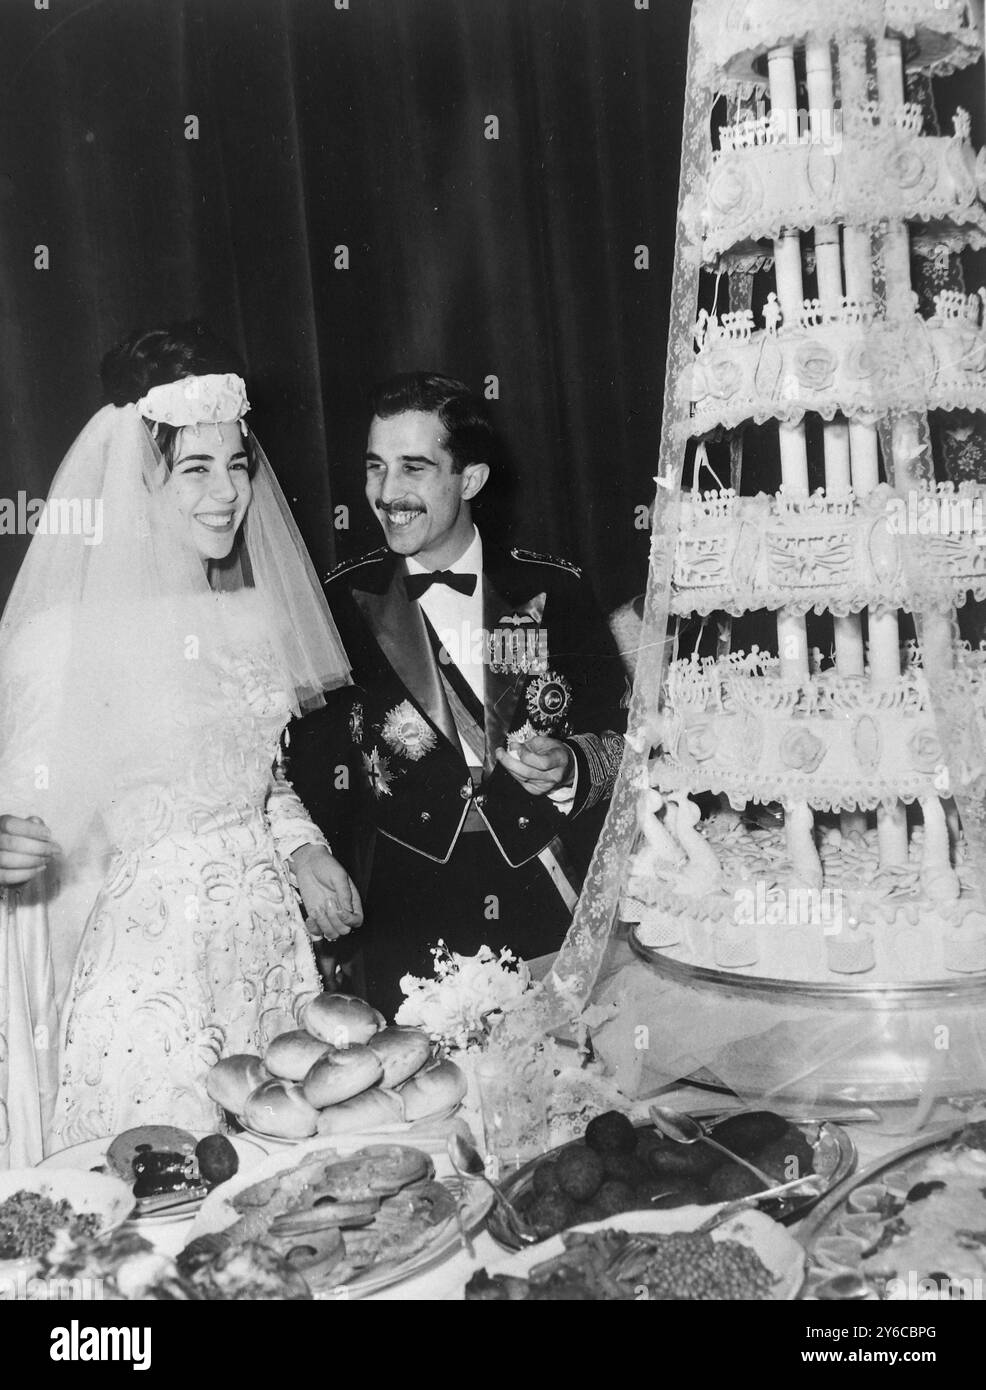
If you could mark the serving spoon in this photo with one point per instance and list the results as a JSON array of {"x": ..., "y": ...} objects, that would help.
[
  {"x": 684, "y": 1129},
  {"x": 810, "y": 1183},
  {"x": 468, "y": 1163}
]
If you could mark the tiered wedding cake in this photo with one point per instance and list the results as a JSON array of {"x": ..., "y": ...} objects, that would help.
[{"x": 828, "y": 845}]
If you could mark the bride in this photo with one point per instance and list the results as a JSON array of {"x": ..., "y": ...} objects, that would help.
[{"x": 149, "y": 663}]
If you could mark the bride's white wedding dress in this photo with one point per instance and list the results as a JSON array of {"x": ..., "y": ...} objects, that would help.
[{"x": 193, "y": 945}]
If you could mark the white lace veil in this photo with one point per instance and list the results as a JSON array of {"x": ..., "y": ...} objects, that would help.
[{"x": 111, "y": 639}]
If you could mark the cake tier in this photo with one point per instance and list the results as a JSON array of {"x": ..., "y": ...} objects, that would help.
[
  {"x": 734, "y": 36},
  {"x": 834, "y": 365},
  {"x": 738, "y": 727},
  {"x": 865, "y": 925},
  {"x": 831, "y": 554},
  {"x": 860, "y": 177}
]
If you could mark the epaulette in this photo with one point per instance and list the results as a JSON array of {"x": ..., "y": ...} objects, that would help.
[
  {"x": 345, "y": 566},
  {"x": 534, "y": 557}
]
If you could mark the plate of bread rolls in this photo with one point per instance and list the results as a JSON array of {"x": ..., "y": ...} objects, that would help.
[{"x": 342, "y": 1071}]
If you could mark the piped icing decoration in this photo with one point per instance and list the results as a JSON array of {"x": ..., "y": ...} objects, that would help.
[
  {"x": 851, "y": 951},
  {"x": 735, "y": 946},
  {"x": 964, "y": 945}
]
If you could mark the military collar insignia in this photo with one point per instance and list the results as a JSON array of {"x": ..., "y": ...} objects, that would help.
[
  {"x": 535, "y": 557},
  {"x": 357, "y": 562}
]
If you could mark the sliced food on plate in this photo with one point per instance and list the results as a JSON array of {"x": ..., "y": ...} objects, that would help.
[{"x": 335, "y": 1219}]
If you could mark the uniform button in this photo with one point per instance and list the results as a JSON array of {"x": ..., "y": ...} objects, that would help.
[
  {"x": 466, "y": 791},
  {"x": 523, "y": 822},
  {"x": 425, "y": 817},
  {"x": 479, "y": 799}
]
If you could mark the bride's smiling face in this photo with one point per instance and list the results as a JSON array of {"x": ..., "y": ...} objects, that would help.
[{"x": 211, "y": 482}]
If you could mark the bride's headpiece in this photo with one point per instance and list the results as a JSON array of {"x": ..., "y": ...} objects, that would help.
[{"x": 213, "y": 399}]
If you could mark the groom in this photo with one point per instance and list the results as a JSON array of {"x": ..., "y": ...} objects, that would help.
[{"x": 485, "y": 727}]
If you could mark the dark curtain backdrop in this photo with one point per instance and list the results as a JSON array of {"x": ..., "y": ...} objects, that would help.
[{"x": 363, "y": 127}]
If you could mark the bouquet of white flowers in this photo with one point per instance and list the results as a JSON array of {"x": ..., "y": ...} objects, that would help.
[{"x": 468, "y": 996}]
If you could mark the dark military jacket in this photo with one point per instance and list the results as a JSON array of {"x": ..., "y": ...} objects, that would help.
[{"x": 553, "y": 669}]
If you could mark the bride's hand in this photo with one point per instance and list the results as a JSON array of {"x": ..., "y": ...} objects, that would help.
[
  {"x": 26, "y": 847},
  {"x": 330, "y": 896}
]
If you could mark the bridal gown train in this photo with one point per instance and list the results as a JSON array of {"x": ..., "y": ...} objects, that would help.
[{"x": 194, "y": 947}]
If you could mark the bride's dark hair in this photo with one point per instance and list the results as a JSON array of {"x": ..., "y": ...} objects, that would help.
[{"x": 158, "y": 356}]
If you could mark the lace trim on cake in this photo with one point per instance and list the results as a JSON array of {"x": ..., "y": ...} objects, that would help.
[
  {"x": 732, "y": 36},
  {"x": 835, "y": 554},
  {"x": 754, "y": 680},
  {"x": 738, "y": 727},
  {"x": 704, "y": 602},
  {"x": 863, "y": 178},
  {"x": 821, "y": 795},
  {"x": 856, "y": 368}
]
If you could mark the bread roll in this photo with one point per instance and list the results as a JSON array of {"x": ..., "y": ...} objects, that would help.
[
  {"x": 402, "y": 1051},
  {"x": 341, "y": 1073},
  {"x": 232, "y": 1079},
  {"x": 433, "y": 1091},
  {"x": 292, "y": 1054},
  {"x": 279, "y": 1108},
  {"x": 371, "y": 1110},
  {"x": 341, "y": 1019}
]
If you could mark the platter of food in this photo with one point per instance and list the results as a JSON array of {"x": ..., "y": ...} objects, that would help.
[
  {"x": 39, "y": 1209},
  {"x": 911, "y": 1226},
  {"x": 169, "y": 1171},
  {"x": 343, "y": 1071},
  {"x": 350, "y": 1223},
  {"x": 660, "y": 1255},
  {"x": 620, "y": 1167}
]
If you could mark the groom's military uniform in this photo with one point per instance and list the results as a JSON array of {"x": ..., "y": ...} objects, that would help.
[{"x": 444, "y": 842}]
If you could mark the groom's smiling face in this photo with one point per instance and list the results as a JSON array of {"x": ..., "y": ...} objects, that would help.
[{"x": 417, "y": 495}]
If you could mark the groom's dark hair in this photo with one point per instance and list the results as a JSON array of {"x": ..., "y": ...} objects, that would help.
[{"x": 470, "y": 437}]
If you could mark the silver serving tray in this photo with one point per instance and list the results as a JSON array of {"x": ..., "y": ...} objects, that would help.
[
  {"x": 835, "y": 1153},
  {"x": 827, "y": 1216}
]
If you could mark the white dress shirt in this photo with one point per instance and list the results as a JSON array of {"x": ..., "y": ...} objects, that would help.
[{"x": 458, "y": 623}]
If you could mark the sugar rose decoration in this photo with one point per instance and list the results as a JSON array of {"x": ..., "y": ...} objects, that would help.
[
  {"x": 814, "y": 366},
  {"x": 701, "y": 740},
  {"x": 801, "y": 750},
  {"x": 467, "y": 997},
  {"x": 406, "y": 731},
  {"x": 734, "y": 190},
  {"x": 925, "y": 750},
  {"x": 860, "y": 361},
  {"x": 722, "y": 375}
]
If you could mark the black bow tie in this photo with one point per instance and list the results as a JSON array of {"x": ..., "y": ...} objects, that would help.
[{"x": 417, "y": 584}]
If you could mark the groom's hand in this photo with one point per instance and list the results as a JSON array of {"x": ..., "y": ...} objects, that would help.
[
  {"x": 330, "y": 896},
  {"x": 540, "y": 765}
]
